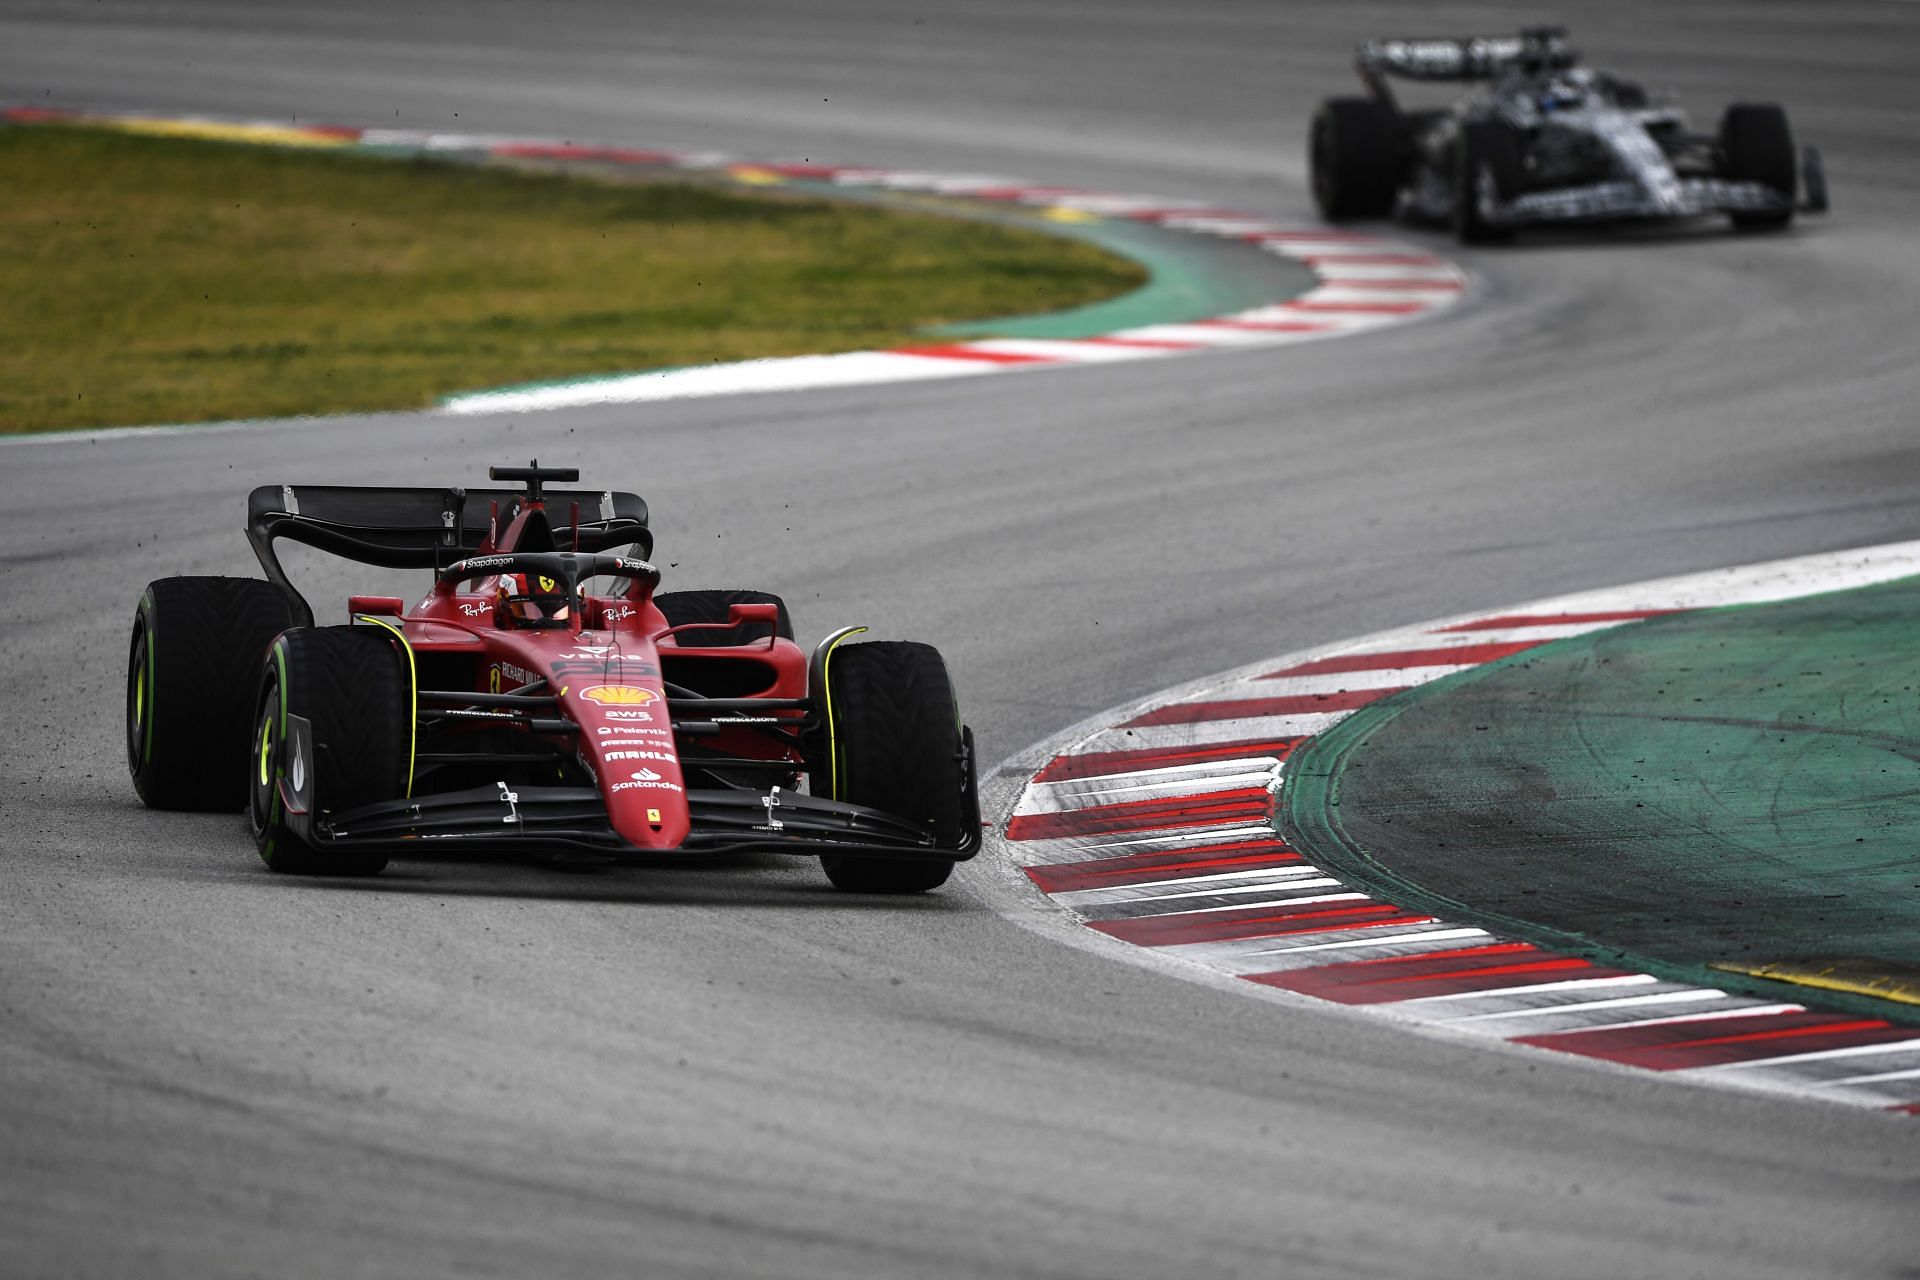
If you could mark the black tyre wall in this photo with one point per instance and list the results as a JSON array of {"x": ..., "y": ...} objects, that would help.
[
  {"x": 1489, "y": 147},
  {"x": 352, "y": 685},
  {"x": 193, "y": 663},
  {"x": 682, "y": 607},
  {"x": 1757, "y": 145},
  {"x": 1358, "y": 152},
  {"x": 895, "y": 747}
]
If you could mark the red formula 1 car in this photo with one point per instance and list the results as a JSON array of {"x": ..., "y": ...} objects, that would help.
[{"x": 512, "y": 708}]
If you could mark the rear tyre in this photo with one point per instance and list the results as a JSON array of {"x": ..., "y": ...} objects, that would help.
[
  {"x": 1486, "y": 151},
  {"x": 893, "y": 744},
  {"x": 682, "y": 607},
  {"x": 192, "y": 663},
  {"x": 351, "y": 685},
  {"x": 1757, "y": 146},
  {"x": 1357, "y": 154}
]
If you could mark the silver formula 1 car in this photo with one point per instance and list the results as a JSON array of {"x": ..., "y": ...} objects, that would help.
[{"x": 1545, "y": 139}]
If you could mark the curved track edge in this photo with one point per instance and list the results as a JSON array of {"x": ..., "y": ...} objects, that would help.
[
  {"x": 1359, "y": 282},
  {"x": 1147, "y": 832}
]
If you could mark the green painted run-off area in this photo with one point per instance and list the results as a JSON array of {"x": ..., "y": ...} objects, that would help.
[{"x": 1731, "y": 786}]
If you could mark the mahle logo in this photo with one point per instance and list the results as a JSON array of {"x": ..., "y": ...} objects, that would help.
[{"x": 617, "y": 695}]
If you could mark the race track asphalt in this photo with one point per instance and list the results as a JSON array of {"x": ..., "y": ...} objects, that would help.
[{"x": 487, "y": 1069}]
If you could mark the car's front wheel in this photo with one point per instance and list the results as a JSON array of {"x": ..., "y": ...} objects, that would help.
[
  {"x": 892, "y": 741},
  {"x": 1486, "y": 162},
  {"x": 1757, "y": 146},
  {"x": 1357, "y": 156},
  {"x": 332, "y": 730}
]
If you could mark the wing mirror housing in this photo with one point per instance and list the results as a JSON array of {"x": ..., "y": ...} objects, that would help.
[{"x": 379, "y": 606}]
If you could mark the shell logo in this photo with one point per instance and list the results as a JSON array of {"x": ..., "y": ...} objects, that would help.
[{"x": 618, "y": 695}]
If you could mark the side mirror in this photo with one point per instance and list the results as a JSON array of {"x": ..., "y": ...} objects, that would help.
[
  {"x": 379, "y": 606},
  {"x": 767, "y": 613}
]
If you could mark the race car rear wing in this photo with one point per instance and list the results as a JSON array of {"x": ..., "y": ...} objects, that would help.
[
  {"x": 1473, "y": 58},
  {"x": 426, "y": 528}
]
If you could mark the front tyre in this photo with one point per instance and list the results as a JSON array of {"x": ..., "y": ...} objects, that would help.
[
  {"x": 350, "y": 686},
  {"x": 192, "y": 662},
  {"x": 1486, "y": 162},
  {"x": 1757, "y": 146},
  {"x": 1357, "y": 155},
  {"x": 892, "y": 742}
]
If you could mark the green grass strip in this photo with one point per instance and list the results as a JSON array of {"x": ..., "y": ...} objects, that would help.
[{"x": 162, "y": 280}]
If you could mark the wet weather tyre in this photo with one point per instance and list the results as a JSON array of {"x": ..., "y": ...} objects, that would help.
[
  {"x": 351, "y": 685},
  {"x": 1486, "y": 150},
  {"x": 1357, "y": 153},
  {"x": 192, "y": 665},
  {"x": 1757, "y": 146},
  {"x": 894, "y": 744},
  {"x": 681, "y": 607}
]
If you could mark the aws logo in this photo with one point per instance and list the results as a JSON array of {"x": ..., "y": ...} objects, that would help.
[{"x": 618, "y": 695}]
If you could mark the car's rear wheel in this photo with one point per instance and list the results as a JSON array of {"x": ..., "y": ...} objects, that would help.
[
  {"x": 1487, "y": 152},
  {"x": 1757, "y": 146},
  {"x": 351, "y": 687},
  {"x": 892, "y": 742},
  {"x": 1357, "y": 154},
  {"x": 681, "y": 607},
  {"x": 191, "y": 665}
]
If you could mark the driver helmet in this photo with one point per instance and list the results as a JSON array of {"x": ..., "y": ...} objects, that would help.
[
  {"x": 1563, "y": 91},
  {"x": 531, "y": 600}
]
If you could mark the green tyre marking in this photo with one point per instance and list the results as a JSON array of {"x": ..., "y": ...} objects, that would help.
[{"x": 152, "y": 675}]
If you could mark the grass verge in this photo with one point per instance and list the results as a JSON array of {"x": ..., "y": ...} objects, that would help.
[{"x": 158, "y": 280}]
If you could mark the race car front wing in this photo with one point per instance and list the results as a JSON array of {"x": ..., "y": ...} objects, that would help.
[
  {"x": 1606, "y": 200},
  {"x": 726, "y": 820}
]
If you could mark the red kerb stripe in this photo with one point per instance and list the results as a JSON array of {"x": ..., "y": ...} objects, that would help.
[
  {"x": 1296, "y": 704},
  {"x": 1100, "y": 764},
  {"x": 1025, "y": 193},
  {"x": 1466, "y": 655},
  {"x": 1318, "y": 237},
  {"x": 1246, "y": 805},
  {"x": 1359, "y": 308},
  {"x": 1374, "y": 259},
  {"x": 1151, "y": 868},
  {"x": 956, "y": 351},
  {"x": 1434, "y": 974},
  {"x": 1162, "y": 215},
  {"x": 575, "y": 151},
  {"x": 1267, "y": 326},
  {"x": 1506, "y": 620},
  {"x": 1258, "y": 922},
  {"x": 1705, "y": 1042},
  {"x": 823, "y": 171},
  {"x": 1148, "y": 344}
]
